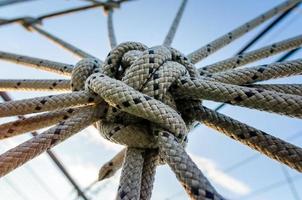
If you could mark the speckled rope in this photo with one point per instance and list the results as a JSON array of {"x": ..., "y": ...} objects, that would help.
[
  {"x": 258, "y": 73},
  {"x": 136, "y": 97},
  {"x": 37, "y": 63},
  {"x": 36, "y": 122},
  {"x": 40, "y": 143},
  {"x": 171, "y": 33},
  {"x": 144, "y": 92},
  {"x": 111, "y": 34},
  {"x": 269, "y": 145},
  {"x": 255, "y": 55},
  {"x": 47, "y": 103},
  {"x": 224, "y": 40},
  {"x": 35, "y": 85},
  {"x": 295, "y": 89},
  {"x": 266, "y": 100}
]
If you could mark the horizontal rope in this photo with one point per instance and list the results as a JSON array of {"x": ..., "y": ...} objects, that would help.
[
  {"x": 36, "y": 122},
  {"x": 47, "y": 103},
  {"x": 295, "y": 89},
  {"x": 34, "y": 85},
  {"x": 238, "y": 95},
  {"x": 37, "y": 63},
  {"x": 258, "y": 73}
]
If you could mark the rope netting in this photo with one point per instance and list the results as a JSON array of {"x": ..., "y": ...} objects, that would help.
[{"x": 148, "y": 98}]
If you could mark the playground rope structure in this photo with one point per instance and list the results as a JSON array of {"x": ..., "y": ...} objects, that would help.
[{"x": 148, "y": 99}]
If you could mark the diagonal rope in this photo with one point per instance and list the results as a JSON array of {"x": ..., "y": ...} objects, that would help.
[
  {"x": 37, "y": 63},
  {"x": 40, "y": 143},
  {"x": 264, "y": 52},
  {"x": 169, "y": 37},
  {"x": 295, "y": 89},
  {"x": 76, "y": 51},
  {"x": 217, "y": 44},
  {"x": 33, "y": 123}
]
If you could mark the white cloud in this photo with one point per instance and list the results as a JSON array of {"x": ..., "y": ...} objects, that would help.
[
  {"x": 210, "y": 169},
  {"x": 95, "y": 137}
]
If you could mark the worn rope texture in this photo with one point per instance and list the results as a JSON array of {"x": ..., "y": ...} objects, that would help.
[{"x": 136, "y": 98}]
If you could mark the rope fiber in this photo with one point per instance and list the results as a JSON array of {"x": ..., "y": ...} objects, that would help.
[{"x": 148, "y": 99}]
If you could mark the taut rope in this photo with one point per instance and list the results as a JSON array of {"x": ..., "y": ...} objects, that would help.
[{"x": 148, "y": 99}]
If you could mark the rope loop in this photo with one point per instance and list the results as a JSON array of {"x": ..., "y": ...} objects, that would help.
[{"x": 135, "y": 82}]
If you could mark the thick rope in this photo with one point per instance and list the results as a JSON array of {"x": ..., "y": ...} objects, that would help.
[
  {"x": 35, "y": 85},
  {"x": 151, "y": 160},
  {"x": 36, "y": 122},
  {"x": 130, "y": 182},
  {"x": 144, "y": 92},
  {"x": 186, "y": 171},
  {"x": 47, "y": 103},
  {"x": 26, "y": 151},
  {"x": 169, "y": 37},
  {"x": 271, "y": 146},
  {"x": 245, "y": 58},
  {"x": 265, "y": 100},
  {"x": 37, "y": 63},
  {"x": 258, "y": 73},
  {"x": 222, "y": 41},
  {"x": 295, "y": 89}
]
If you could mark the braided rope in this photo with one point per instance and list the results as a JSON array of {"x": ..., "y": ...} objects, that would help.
[
  {"x": 136, "y": 98},
  {"x": 245, "y": 58},
  {"x": 295, "y": 89},
  {"x": 280, "y": 103},
  {"x": 111, "y": 34},
  {"x": 258, "y": 73},
  {"x": 36, "y": 122},
  {"x": 47, "y": 103},
  {"x": 169, "y": 37},
  {"x": 37, "y": 63},
  {"x": 24, "y": 152},
  {"x": 34, "y": 85},
  {"x": 222, "y": 41}
]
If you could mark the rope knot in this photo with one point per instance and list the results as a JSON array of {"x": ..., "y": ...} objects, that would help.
[{"x": 136, "y": 83}]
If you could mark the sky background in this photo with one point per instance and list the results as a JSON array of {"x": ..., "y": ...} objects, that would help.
[{"x": 148, "y": 21}]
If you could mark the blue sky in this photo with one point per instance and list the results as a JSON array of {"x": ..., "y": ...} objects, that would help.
[{"x": 148, "y": 21}]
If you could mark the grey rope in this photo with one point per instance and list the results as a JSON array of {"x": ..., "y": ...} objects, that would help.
[
  {"x": 222, "y": 41},
  {"x": 136, "y": 98},
  {"x": 111, "y": 34},
  {"x": 169, "y": 37}
]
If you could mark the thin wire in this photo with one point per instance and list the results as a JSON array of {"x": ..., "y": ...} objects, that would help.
[
  {"x": 270, "y": 187},
  {"x": 290, "y": 183},
  {"x": 65, "y": 45},
  {"x": 16, "y": 189},
  {"x": 64, "y": 12}
]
